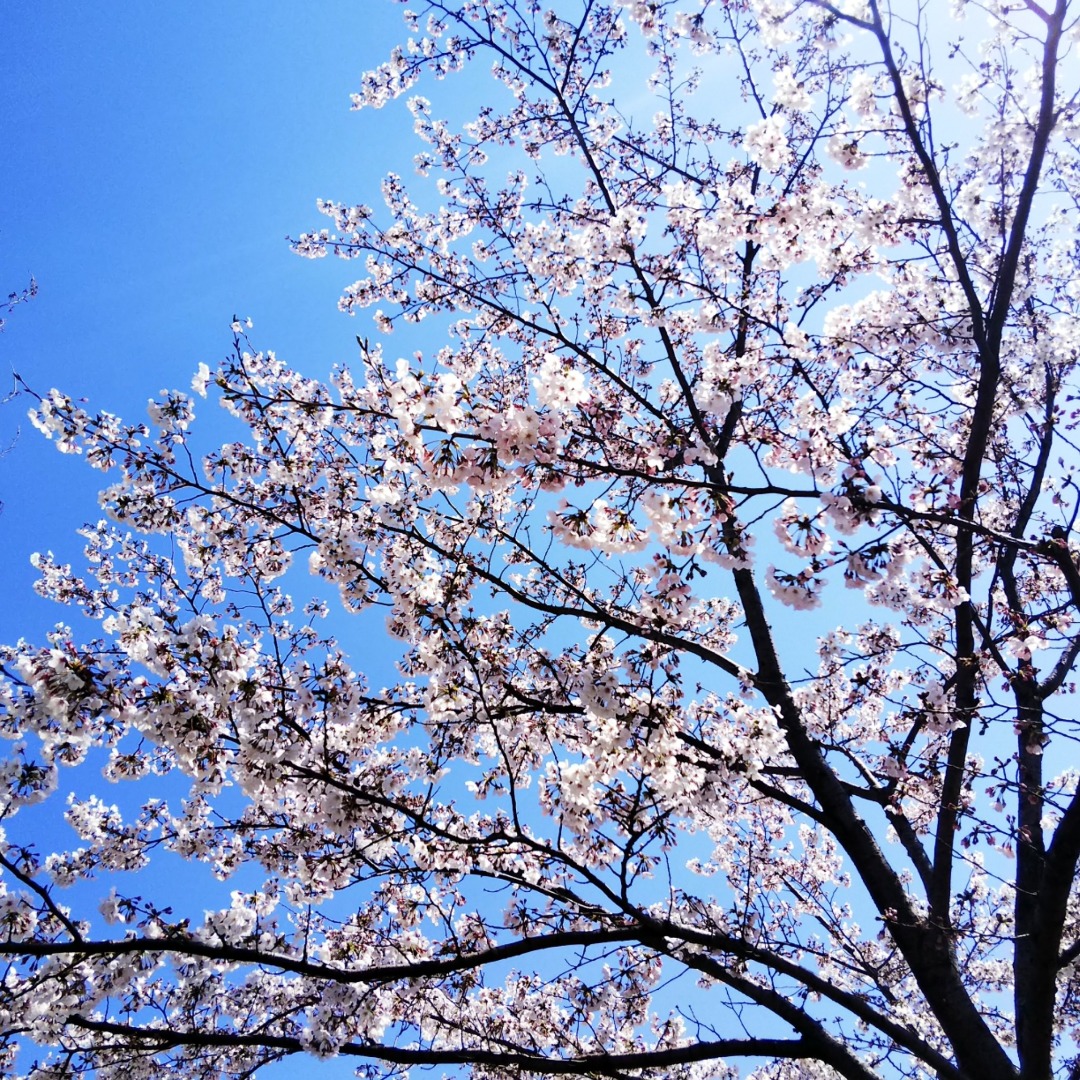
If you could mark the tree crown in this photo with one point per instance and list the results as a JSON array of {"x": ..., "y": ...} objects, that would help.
[{"x": 724, "y": 520}]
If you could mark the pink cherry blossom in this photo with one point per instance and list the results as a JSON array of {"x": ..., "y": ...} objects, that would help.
[{"x": 720, "y": 518}]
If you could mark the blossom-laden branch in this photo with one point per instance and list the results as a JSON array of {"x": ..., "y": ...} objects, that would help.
[{"x": 637, "y": 796}]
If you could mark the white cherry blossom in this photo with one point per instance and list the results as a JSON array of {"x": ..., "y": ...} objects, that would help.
[{"x": 720, "y": 520}]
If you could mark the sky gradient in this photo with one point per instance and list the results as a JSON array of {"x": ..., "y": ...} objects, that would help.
[{"x": 157, "y": 156}]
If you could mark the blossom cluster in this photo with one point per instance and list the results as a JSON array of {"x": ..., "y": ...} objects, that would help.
[{"x": 720, "y": 523}]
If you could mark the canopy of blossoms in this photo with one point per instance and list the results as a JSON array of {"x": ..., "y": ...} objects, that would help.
[{"x": 721, "y": 515}]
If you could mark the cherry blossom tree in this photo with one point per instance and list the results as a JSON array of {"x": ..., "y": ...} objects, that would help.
[{"x": 722, "y": 517}]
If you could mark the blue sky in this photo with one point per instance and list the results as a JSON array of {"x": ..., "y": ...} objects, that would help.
[{"x": 155, "y": 158}]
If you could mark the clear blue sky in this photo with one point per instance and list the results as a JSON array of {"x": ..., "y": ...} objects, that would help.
[{"x": 154, "y": 158}]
